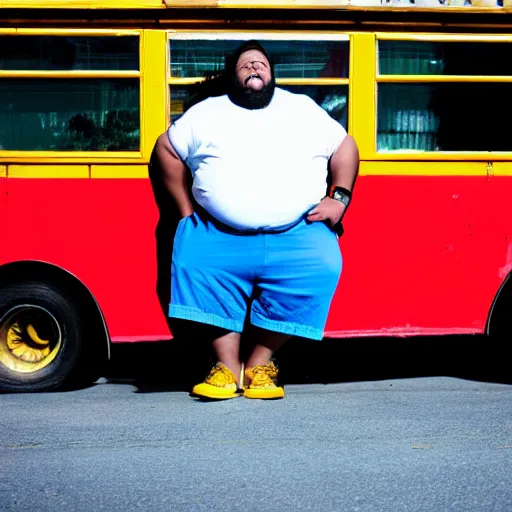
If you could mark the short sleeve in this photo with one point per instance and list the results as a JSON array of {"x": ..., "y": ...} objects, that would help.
[
  {"x": 181, "y": 136},
  {"x": 328, "y": 133},
  {"x": 333, "y": 134}
]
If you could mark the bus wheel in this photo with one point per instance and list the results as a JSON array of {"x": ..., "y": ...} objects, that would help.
[{"x": 40, "y": 336}]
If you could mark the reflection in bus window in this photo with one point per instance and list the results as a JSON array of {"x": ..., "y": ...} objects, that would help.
[
  {"x": 52, "y": 53},
  {"x": 292, "y": 59},
  {"x": 443, "y": 117},
  {"x": 181, "y": 97},
  {"x": 410, "y": 58},
  {"x": 405, "y": 120},
  {"x": 333, "y": 99},
  {"x": 69, "y": 115}
]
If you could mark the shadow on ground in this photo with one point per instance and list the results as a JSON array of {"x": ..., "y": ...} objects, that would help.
[{"x": 174, "y": 365}]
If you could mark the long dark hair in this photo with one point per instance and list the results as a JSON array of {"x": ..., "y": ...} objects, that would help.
[{"x": 215, "y": 84}]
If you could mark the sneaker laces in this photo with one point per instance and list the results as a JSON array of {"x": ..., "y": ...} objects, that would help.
[
  {"x": 220, "y": 376},
  {"x": 263, "y": 376}
]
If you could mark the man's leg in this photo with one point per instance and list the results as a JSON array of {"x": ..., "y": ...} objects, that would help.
[
  {"x": 227, "y": 351},
  {"x": 292, "y": 296},
  {"x": 261, "y": 373},
  {"x": 266, "y": 343},
  {"x": 223, "y": 381},
  {"x": 211, "y": 287},
  {"x": 225, "y": 344}
]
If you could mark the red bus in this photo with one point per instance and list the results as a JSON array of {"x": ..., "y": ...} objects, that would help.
[{"x": 85, "y": 90}]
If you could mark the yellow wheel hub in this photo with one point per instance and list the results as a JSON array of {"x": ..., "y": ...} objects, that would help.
[{"x": 30, "y": 339}]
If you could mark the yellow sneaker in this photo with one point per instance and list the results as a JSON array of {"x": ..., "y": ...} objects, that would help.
[
  {"x": 262, "y": 382},
  {"x": 219, "y": 385}
]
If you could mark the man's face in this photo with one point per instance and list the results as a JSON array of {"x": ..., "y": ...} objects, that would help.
[{"x": 253, "y": 70}]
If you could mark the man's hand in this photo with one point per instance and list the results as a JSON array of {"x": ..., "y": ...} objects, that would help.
[{"x": 327, "y": 209}]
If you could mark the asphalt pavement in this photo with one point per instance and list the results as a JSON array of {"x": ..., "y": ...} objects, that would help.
[{"x": 385, "y": 427}]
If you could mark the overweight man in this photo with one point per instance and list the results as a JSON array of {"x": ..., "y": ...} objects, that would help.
[{"x": 256, "y": 244}]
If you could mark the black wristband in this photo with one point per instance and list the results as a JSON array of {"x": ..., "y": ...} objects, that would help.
[
  {"x": 343, "y": 190},
  {"x": 340, "y": 194}
]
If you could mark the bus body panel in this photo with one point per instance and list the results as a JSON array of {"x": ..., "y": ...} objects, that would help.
[
  {"x": 422, "y": 254},
  {"x": 103, "y": 232},
  {"x": 4, "y": 219}
]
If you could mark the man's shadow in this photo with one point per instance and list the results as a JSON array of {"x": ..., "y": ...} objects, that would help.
[
  {"x": 191, "y": 341},
  {"x": 169, "y": 217}
]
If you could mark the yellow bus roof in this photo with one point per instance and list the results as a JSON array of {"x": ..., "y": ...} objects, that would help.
[{"x": 480, "y": 6}]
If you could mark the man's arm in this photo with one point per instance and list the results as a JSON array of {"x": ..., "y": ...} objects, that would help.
[
  {"x": 174, "y": 175},
  {"x": 345, "y": 164},
  {"x": 344, "y": 169}
]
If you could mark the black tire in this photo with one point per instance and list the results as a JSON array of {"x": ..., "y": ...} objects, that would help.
[{"x": 63, "y": 316}]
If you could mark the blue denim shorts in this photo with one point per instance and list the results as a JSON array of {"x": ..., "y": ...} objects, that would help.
[{"x": 283, "y": 280}]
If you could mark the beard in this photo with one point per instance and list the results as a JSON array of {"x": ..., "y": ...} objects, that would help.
[{"x": 248, "y": 98}]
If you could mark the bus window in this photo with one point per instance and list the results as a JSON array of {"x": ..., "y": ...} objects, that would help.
[
  {"x": 69, "y": 53},
  {"x": 443, "y": 117},
  {"x": 317, "y": 68},
  {"x": 405, "y": 118},
  {"x": 52, "y": 108},
  {"x": 429, "y": 100},
  {"x": 292, "y": 59},
  {"x": 69, "y": 115},
  {"x": 444, "y": 58}
]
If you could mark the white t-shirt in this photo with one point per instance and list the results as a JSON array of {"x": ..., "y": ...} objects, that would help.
[{"x": 261, "y": 168}]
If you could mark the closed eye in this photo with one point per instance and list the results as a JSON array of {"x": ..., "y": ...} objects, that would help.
[{"x": 255, "y": 64}]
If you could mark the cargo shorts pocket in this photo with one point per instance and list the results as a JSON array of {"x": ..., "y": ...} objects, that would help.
[{"x": 181, "y": 233}]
